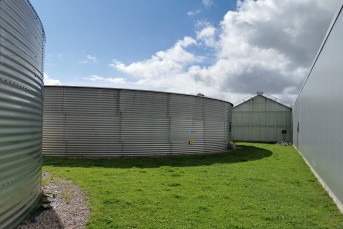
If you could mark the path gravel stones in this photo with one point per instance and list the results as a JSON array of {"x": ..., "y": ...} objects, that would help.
[{"x": 64, "y": 205}]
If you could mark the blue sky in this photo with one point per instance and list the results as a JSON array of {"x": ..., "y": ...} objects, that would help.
[
  {"x": 225, "y": 49},
  {"x": 127, "y": 30}
]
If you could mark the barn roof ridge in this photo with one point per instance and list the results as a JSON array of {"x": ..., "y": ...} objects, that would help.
[{"x": 265, "y": 95}]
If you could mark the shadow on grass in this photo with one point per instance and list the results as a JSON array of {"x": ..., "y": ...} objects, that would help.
[{"x": 246, "y": 153}]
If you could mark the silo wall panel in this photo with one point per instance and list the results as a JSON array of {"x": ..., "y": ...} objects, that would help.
[
  {"x": 144, "y": 123},
  {"x": 215, "y": 133},
  {"x": 186, "y": 116},
  {"x": 261, "y": 119},
  {"x": 21, "y": 82},
  {"x": 319, "y": 113},
  {"x": 100, "y": 122},
  {"x": 84, "y": 122}
]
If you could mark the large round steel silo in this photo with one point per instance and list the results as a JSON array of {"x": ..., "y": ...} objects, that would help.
[{"x": 21, "y": 83}]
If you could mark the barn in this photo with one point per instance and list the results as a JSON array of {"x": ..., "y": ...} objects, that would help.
[{"x": 262, "y": 118}]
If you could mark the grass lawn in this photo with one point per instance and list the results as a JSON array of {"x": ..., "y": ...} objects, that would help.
[{"x": 258, "y": 186}]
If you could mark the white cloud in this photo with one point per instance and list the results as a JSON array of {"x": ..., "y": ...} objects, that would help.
[
  {"x": 194, "y": 12},
  {"x": 206, "y": 33},
  {"x": 163, "y": 63},
  {"x": 207, "y": 3},
  {"x": 110, "y": 80},
  {"x": 49, "y": 81},
  {"x": 89, "y": 59},
  {"x": 265, "y": 45},
  {"x": 272, "y": 44}
]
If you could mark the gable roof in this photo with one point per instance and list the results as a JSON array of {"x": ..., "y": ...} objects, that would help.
[{"x": 267, "y": 96}]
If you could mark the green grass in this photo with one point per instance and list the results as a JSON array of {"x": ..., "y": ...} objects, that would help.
[{"x": 258, "y": 186}]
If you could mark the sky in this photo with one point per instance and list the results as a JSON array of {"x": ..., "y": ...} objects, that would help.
[{"x": 224, "y": 49}]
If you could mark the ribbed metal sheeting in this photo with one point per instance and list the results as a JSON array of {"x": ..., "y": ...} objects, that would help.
[
  {"x": 261, "y": 119},
  {"x": 318, "y": 113},
  {"x": 102, "y": 122},
  {"x": 21, "y": 80}
]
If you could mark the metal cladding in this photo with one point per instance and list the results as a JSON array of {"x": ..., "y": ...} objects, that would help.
[
  {"x": 103, "y": 122},
  {"x": 261, "y": 119},
  {"x": 21, "y": 81},
  {"x": 318, "y": 113}
]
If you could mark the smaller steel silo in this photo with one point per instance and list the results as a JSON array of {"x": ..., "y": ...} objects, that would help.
[{"x": 112, "y": 122}]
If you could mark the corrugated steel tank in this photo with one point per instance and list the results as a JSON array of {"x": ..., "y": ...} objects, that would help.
[
  {"x": 261, "y": 119},
  {"x": 21, "y": 79},
  {"x": 103, "y": 122},
  {"x": 318, "y": 113}
]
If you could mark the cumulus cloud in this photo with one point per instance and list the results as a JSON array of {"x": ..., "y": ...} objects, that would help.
[
  {"x": 265, "y": 45},
  {"x": 89, "y": 59},
  {"x": 49, "y": 81},
  {"x": 163, "y": 63},
  {"x": 207, "y": 3},
  {"x": 206, "y": 33},
  {"x": 273, "y": 42}
]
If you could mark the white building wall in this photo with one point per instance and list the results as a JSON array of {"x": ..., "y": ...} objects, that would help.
[{"x": 319, "y": 112}]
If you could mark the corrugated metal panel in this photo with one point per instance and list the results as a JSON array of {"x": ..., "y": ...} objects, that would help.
[
  {"x": 261, "y": 119},
  {"x": 102, "y": 122},
  {"x": 318, "y": 113},
  {"x": 21, "y": 80}
]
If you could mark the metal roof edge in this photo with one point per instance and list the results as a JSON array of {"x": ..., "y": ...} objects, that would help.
[
  {"x": 274, "y": 99},
  {"x": 245, "y": 99},
  {"x": 126, "y": 89}
]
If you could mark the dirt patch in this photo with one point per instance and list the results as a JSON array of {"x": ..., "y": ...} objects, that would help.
[{"x": 64, "y": 205}]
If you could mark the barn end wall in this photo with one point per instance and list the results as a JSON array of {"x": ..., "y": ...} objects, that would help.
[{"x": 261, "y": 119}]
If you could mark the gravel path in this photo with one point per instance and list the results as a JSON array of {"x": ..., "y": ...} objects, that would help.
[{"x": 64, "y": 206}]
